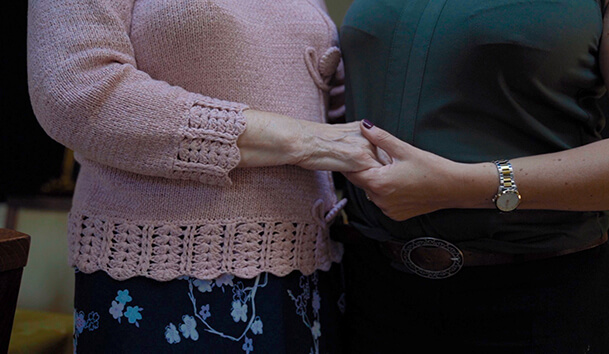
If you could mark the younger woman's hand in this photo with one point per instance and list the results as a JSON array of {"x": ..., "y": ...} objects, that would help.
[{"x": 415, "y": 182}]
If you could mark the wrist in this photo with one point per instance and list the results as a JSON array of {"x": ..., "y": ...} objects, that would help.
[
  {"x": 477, "y": 186},
  {"x": 507, "y": 197},
  {"x": 312, "y": 143},
  {"x": 303, "y": 145},
  {"x": 269, "y": 139}
]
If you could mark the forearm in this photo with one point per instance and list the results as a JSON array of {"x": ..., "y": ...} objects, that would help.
[
  {"x": 269, "y": 140},
  {"x": 575, "y": 179},
  {"x": 418, "y": 182},
  {"x": 272, "y": 139}
]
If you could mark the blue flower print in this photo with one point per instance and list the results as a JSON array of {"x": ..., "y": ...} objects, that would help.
[
  {"x": 225, "y": 279},
  {"x": 92, "y": 321},
  {"x": 204, "y": 286},
  {"x": 133, "y": 314},
  {"x": 309, "y": 292},
  {"x": 205, "y": 314},
  {"x": 117, "y": 310},
  {"x": 306, "y": 288},
  {"x": 79, "y": 321},
  {"x": 171, "y": 334},
  {"x": 239, "y": 311},
  {"x": 248, "y": 346},
  {"x": 301, "y": 304},
  {"x": 239, "y": 292},
  {"x": 316, "y": 302},
  {"x": 257, "y": 326},
  {"x": 189, "y": 327},
  {"x": 80, "y": 324},
  {"x": 123, "y": 296},
  {"x": 316, "y": 329}
]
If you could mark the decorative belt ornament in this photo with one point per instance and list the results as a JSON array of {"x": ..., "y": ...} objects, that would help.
[{"x": 456, "y": 256}]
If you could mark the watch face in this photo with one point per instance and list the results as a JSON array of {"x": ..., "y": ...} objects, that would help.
[{"x": 508, "y": 201}]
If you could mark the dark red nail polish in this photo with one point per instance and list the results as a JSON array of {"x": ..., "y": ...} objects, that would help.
[{"x": 367, "y": 124}]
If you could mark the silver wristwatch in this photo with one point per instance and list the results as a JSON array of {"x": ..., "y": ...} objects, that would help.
[{"x": 507, "y": 198}]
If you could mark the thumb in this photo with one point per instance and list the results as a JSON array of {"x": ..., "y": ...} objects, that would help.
[{"x": 382, "y": 139}]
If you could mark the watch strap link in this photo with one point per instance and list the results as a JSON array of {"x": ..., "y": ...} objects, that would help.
[
  {"x": 508, "y": 197},
  {"x": 506, "y": 175}
]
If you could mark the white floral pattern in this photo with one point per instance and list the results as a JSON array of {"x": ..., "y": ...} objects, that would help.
[
  {"x": 243, "y": 309},
  {"x": 229, "y": 308},
  {"x": 189, "y": 327},
  {"x": 257, "y": 326},
  {"x": 171, "y": 334},
  {"x": 301, "y": 301},
  {"x": 240, "y": 311}
]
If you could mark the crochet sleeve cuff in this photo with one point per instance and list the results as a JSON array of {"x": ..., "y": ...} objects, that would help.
[{"x": 208, "y": 147}]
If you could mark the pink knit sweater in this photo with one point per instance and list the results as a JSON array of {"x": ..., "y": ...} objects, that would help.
[{"x": 150, "y": 94}]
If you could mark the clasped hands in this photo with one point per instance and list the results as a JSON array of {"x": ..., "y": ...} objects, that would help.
[
  {"x": 403, "y": 181},
  {"x": 407, "y": 181}
]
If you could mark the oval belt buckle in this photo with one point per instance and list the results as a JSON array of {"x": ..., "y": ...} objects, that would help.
[{"x": 456, "y": 256}]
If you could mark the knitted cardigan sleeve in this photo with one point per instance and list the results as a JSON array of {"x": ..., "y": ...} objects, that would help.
[{"x": 88, "y": 94}]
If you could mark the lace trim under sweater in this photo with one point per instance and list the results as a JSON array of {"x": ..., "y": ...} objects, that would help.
[{"x": 150, "y": 96}]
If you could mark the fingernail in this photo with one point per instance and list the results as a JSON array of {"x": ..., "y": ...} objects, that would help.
[{"x": 367, "y": 124}]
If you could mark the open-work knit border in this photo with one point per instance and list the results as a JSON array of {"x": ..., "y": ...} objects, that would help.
[
  {"x": 243, "y": 248},
  {"x": 208, "y": 149}
]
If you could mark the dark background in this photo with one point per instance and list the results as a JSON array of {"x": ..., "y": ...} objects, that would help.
[{"x": 28, "y": 157}]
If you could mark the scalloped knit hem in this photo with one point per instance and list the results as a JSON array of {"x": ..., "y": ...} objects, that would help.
[{"x": 125, "y": 249}]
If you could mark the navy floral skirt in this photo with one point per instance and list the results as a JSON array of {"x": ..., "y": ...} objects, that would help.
[{"x": 266, "y": 314}]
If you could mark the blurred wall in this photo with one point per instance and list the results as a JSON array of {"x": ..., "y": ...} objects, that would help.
[{"x": 337, "y": 9}]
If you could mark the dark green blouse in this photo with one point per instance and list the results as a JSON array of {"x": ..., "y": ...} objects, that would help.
[{"x": 474, "y": 81}]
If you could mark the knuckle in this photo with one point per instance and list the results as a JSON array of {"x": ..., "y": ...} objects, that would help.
[{"x": 383, "y": 136}]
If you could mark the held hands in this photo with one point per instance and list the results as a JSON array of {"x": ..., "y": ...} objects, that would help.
[
  {"x": 414, "y": 182},
  {"x": 403, "y": 181}
]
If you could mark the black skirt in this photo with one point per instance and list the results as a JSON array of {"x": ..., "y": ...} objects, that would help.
[{"x": 267, "y": 314}]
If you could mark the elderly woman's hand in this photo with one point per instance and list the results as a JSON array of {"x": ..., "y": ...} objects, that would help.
[
  {"x": 272, "y": 139},
  {"x": 418, "y": 182}
]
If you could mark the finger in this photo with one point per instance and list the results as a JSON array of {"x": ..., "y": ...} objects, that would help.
[
  {"x": 383, "y": 157},
  {"x": 390, "y": 144},
  {"x": 359, "y": 179}
]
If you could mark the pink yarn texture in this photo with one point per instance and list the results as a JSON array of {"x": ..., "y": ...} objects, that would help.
[{"x": 150, "y": 96}]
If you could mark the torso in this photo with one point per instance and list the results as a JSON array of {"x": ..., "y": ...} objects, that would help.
[{"x": 474, "y": 81}]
